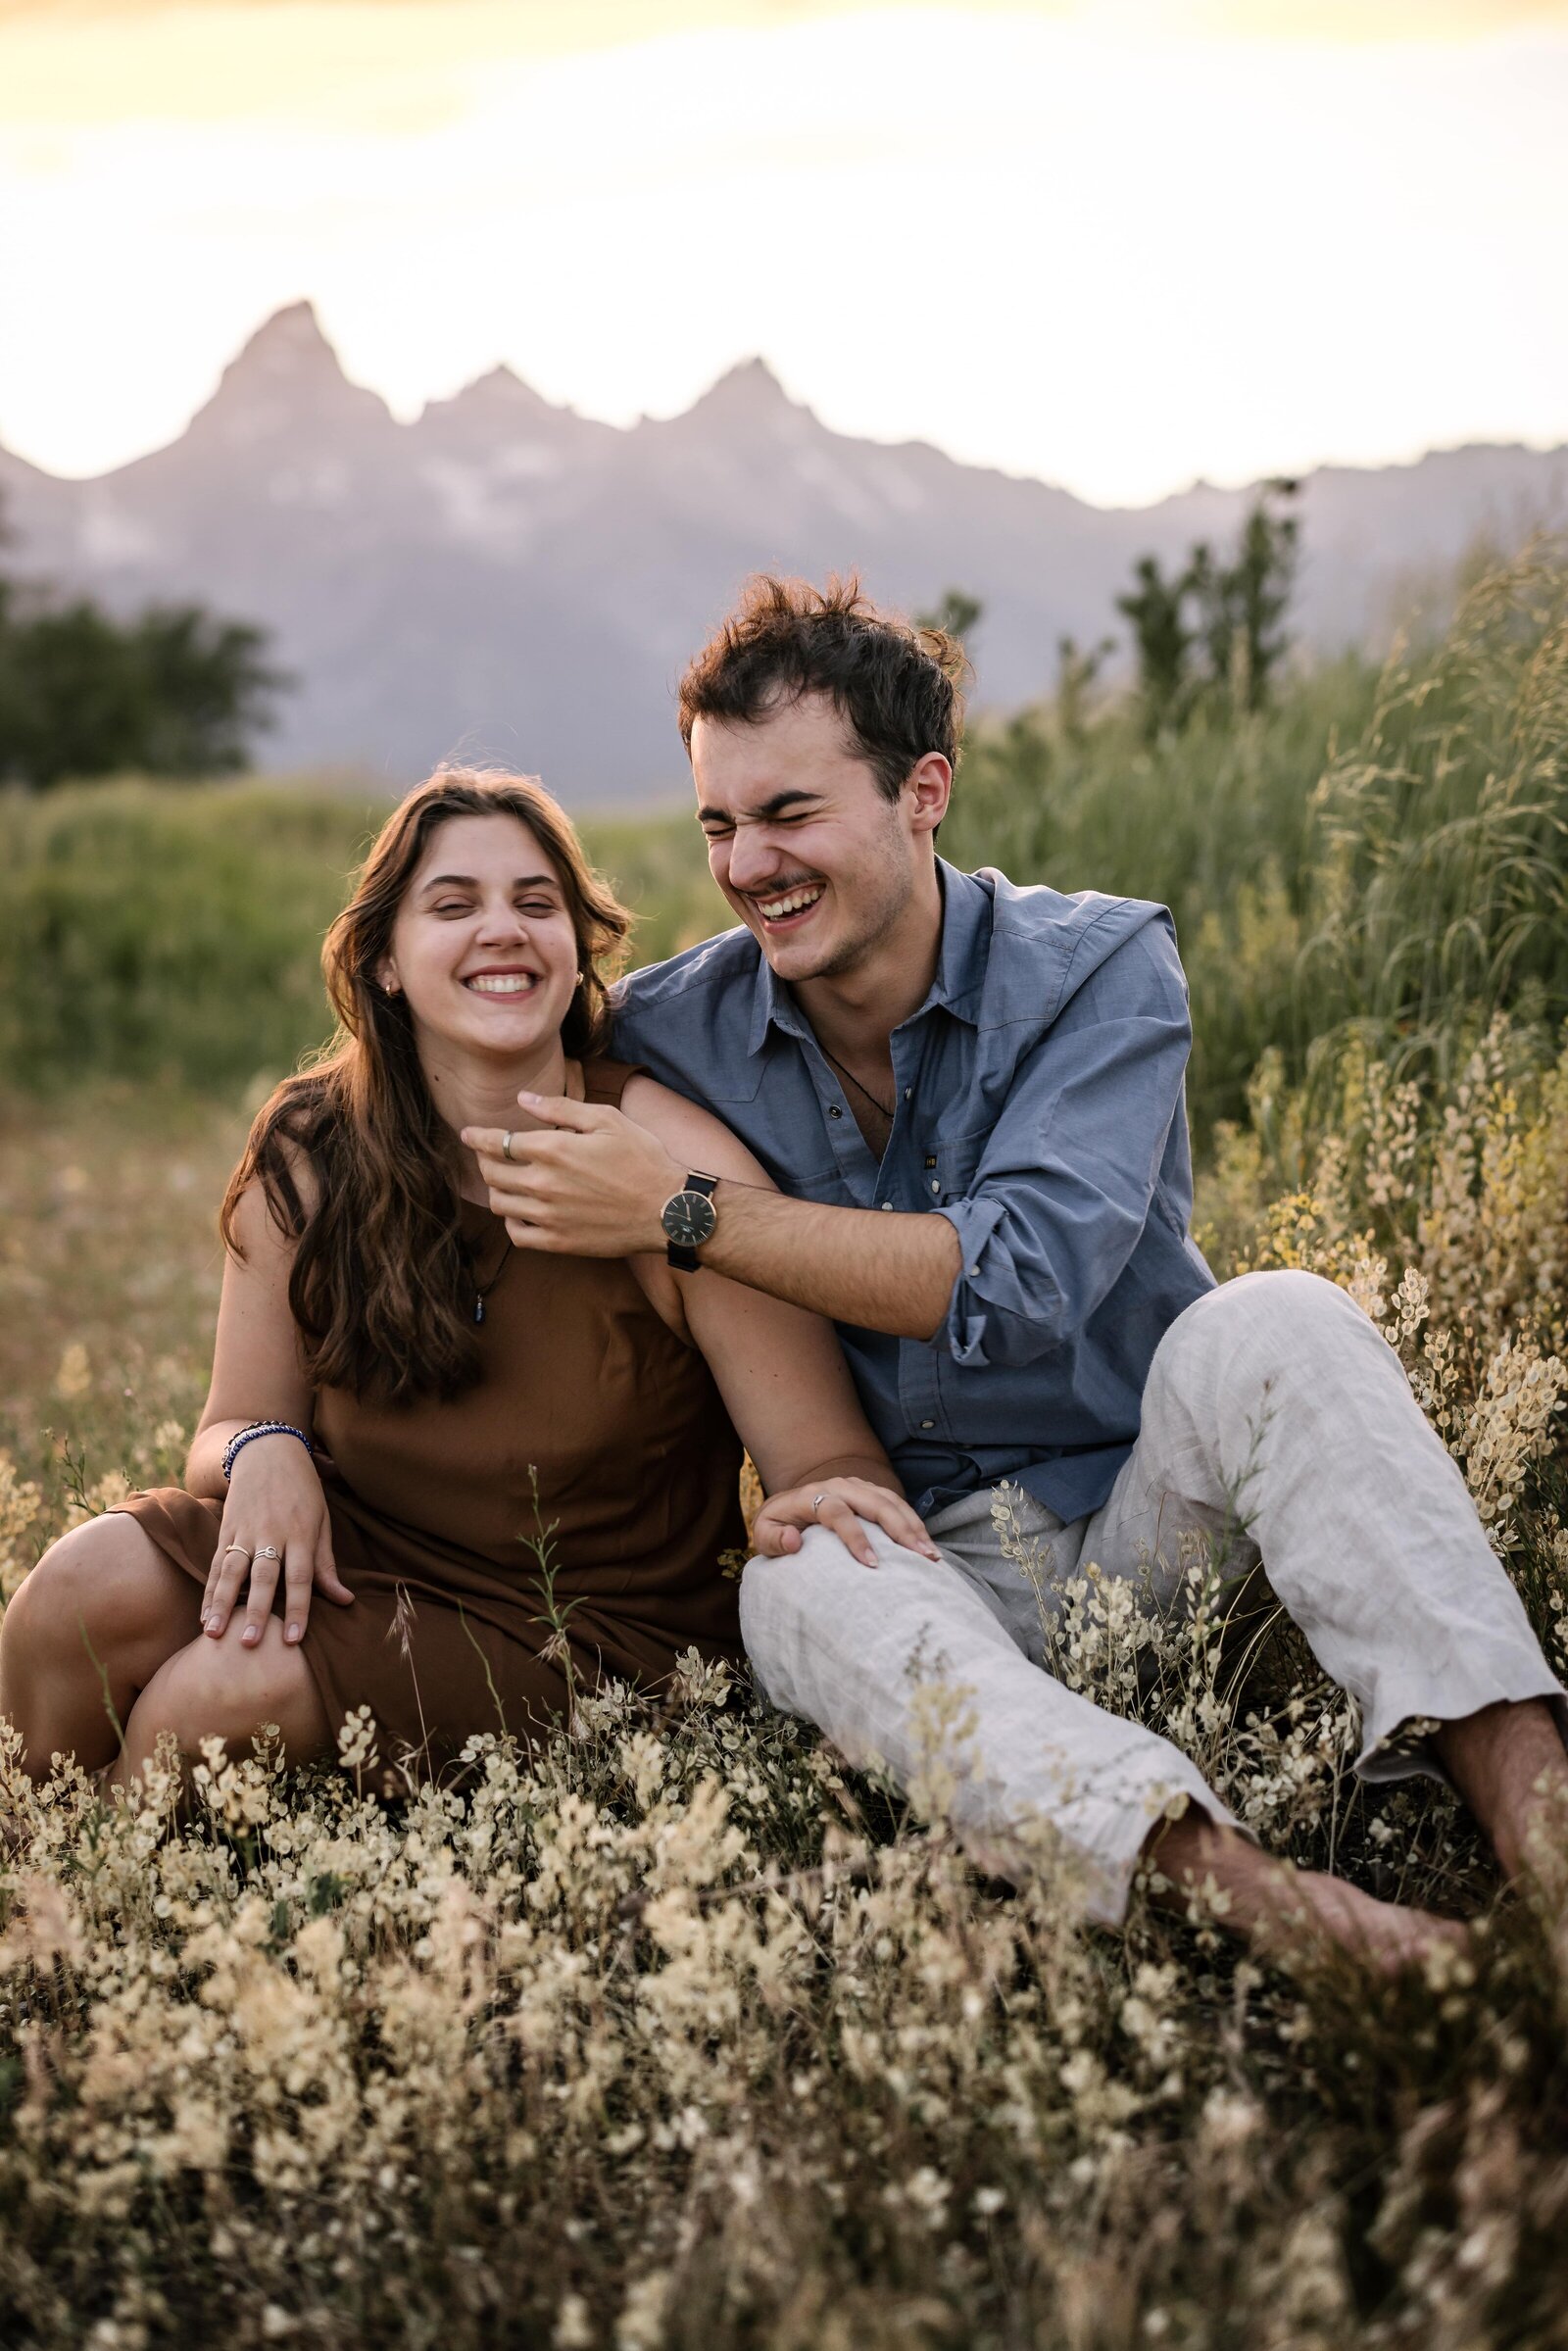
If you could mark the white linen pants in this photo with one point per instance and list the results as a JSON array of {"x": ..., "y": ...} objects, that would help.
[{"x": 1273, "y": 1400}]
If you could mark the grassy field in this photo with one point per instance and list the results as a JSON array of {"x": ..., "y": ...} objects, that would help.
[
  {"x": 173, "y": 935},
  {"x": 681, "y": 2034}
]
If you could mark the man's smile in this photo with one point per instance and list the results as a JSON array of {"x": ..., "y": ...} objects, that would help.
[{"x": 789, "y": 907}]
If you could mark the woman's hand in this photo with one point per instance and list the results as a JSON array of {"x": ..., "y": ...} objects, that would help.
[
  {"x": 839, "y": 1504},
  {"x": 275, "y": 1501}
]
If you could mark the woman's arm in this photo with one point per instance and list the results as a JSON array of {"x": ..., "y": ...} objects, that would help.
[
  {"x": 274, "y": 1497},
  {"x": 780, "y": 1370},
  {"x": 256, "y": 1360}
]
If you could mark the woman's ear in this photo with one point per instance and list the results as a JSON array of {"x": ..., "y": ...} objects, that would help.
[{"x": 386, "y": 977}]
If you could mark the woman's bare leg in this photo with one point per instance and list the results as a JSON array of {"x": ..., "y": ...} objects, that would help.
[
  {"x": 222, "y": 1689},
  {"x": 84, "y": 1634}
]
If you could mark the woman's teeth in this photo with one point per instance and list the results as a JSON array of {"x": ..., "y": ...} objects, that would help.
[
  {"x": 774, "y": 909},
  {"x": 501, "y": 982}
]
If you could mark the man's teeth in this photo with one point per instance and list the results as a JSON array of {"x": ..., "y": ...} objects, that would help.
[
  {"x": 774, "y": 909},
  {"x": 501, "y": 982}
]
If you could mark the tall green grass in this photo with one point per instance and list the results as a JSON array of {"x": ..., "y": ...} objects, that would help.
[
  {"x": 158, "y": 932},
  {"x": 1377, "y": 856},
  {"x": 1219, "y": 822}
]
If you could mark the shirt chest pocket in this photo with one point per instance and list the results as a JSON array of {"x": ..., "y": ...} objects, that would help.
[{"x": 947, "y": 1171}]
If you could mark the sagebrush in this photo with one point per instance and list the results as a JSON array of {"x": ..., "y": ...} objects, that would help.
[{"x": 680, "y": 2034}]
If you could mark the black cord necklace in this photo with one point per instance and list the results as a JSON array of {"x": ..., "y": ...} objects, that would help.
[
  {"x": 887, "y": 1111},
  {"x": 482, "y": 1290}
]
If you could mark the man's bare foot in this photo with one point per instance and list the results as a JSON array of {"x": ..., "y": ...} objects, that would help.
[
  {"x": 1221, "y": 1876},
  {"x": 1312, "y": 1912}
]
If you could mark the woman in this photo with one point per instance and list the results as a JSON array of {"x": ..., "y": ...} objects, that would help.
[{"x": 505, "y": 1473}]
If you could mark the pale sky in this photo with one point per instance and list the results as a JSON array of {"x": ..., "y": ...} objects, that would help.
[{"x": 1119, "y": 244}]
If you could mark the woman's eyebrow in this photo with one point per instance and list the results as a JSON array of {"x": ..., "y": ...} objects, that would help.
[{"x": 465, "y": 881}]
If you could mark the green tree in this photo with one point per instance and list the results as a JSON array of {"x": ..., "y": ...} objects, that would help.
[
  {"x": 1242, "y": 605},
  {"x": 1077, "y": 669},
  {"x": 1162, "y": 641},
  {"x": 207, "y": 690},
  {"x": 1214, "y": 631},
  {"x": 176, "y": 691},
  {"x": 957, "y": 616}
]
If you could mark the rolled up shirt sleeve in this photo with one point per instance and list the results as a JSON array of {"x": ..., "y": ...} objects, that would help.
[{"x": 1068, "y": 1176}]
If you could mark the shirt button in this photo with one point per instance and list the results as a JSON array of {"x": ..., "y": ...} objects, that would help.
[
  {"x": 935, "y": 1184},
  {"x": 907, "y": 1092},
  {"x": 887, "y": 1203},
  {"x": 834, "y": 1111},
  {"x": 974, "y": 1270},
  {"x": 928, "y": 1424}
]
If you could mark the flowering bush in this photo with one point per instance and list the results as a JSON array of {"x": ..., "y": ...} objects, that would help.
[{"x": 679, "y": 2032}]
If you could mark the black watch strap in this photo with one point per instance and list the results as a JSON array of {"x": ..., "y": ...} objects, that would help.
[{"x": 679, "y": 1253}]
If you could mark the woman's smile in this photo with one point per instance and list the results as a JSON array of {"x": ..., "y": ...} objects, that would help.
[{"x": 512, "y": 981}]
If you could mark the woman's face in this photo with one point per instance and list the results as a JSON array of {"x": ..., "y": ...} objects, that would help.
[{"x": 483, "y": 947}]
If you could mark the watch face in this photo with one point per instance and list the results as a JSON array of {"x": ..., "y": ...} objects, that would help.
[{"x": 689, "y": 1219}]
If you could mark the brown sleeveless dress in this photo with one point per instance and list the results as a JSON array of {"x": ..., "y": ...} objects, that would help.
[{"x": 594, "y": 1433}]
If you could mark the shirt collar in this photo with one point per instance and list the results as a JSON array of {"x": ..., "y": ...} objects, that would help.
[{"x": 961, "y": 964}]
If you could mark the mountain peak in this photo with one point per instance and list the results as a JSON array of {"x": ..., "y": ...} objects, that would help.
[
  {"x": 500, "y": 391},
  {"x": 292, "y": 332},
  {"x": 285, "y": 379},
  {"x": 500, "y": 397},
  {"x": 748, "y": 391},
  {"x": 290, "y": 341}
]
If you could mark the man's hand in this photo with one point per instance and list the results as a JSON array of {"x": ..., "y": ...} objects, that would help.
[{"x": 588, "y": 1182}]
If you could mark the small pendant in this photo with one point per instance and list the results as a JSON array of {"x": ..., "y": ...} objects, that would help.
[{"x": 478, "y": 1309}]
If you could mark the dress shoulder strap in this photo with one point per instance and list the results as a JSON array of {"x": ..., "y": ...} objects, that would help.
[{"x": 605, "y": 1081}]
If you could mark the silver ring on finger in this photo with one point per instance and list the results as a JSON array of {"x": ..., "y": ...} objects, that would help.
[
  {"x": 266, "y": 1550},
  {"x": 817, "y": 1503},
  {"x": 235, "y": 1546},
  {"x": 506, "y": 1147}
]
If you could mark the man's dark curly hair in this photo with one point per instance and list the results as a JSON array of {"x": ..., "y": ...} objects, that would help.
[{"x": 895, "y": 686}]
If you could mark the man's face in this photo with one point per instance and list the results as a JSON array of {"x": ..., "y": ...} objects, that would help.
[{"x": 815, "y": 859}]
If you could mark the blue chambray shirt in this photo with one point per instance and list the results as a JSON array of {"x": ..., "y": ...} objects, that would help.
[{"x": 1040, "y": 1108}]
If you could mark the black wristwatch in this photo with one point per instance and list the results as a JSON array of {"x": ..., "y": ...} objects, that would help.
[{"x": 689, "y": 1217}]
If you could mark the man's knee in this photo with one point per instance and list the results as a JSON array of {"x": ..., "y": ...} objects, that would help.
[
  {"x": 1273, "y": 1323},
  {"x": 780, "y": 1598},
  {"x": 818, "y": 1623},
  {"x": 823, "y": 1578}
]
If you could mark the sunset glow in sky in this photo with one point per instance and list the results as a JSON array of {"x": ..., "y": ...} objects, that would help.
[{"x": 1115, "y": 243}]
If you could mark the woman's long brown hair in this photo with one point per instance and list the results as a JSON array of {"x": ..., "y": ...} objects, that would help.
[{"x": 378, "y": 1288}]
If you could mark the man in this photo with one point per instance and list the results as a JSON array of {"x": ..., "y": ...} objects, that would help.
[{"x": 970, "y": 1096}]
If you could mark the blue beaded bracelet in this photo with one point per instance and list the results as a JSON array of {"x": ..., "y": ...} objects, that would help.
[{"x": 260, "y": 1428}]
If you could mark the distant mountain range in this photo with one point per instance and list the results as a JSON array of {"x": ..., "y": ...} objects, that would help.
[{"x": 508, "y": 580}]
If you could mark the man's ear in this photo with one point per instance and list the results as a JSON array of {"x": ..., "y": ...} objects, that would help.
[{"x": 930, "y": 788}]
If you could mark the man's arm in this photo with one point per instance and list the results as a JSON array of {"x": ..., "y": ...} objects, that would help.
[
  {"x": 879, "y": 1271},
  {"x": 1051, "y": 1217},
  {"x": 594, "y": 1184}
]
